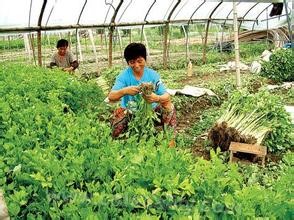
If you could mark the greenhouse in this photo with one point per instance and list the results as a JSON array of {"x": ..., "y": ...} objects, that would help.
[{"x": 154, "y": 109}]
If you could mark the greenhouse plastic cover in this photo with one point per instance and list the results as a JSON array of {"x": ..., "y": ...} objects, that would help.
[{"x": 25, "y": 13}]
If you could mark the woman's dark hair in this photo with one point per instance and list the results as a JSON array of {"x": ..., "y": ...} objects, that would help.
[
  {"x": 62, "y": 43},
  {"x": 135, "y": 50}
]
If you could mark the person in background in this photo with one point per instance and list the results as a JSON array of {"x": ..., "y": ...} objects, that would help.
[
  {"x": 63, "y": 58},
  {"x": 127, "y": 86}
]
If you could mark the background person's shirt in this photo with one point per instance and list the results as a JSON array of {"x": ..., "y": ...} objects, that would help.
[
  {"x": 63, "y": 61},
  {"x": 126, "y": 78}
]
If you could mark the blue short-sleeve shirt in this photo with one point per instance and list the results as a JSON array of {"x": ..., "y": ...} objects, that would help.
[{"x": 126, "y": 78}]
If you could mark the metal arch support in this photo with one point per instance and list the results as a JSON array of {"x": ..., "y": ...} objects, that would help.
[
  {"x": 30, "y": 12},
  {"x": 125, "y": 10},
  {"x": 118, "y": 32},
  {"x": 110, "y": 6},
  {"x": 77, "y": 37},
  {"x": 166, "y": 33},
  {"x": 30, "y": 37},
  {"x": 143, "y": 34},
  {"x": 187, "y": 34},
  {"x": 39, "y": 33},
  {"x": 182, "y": 26},
  {"x": 274, "y": 17},
  {"x": 102, "y": 25},
  {"x": 206, "y": 33},
  {"x": 145, "y": 18},
  {"x": 50, "y": 13},
  {"x": 111, "y": 30},
  {"x": 181, "y": 8},
  {"x": 116, "y": 11},
  {"x": 190, "y": 19},
  {"x": 168, "y": 8},
  {"x": 172, "y": 11},
  {"x": 82, "y": 11},
  {"x": 256, "y": 19},
  {"x": 246, "y": 15}
]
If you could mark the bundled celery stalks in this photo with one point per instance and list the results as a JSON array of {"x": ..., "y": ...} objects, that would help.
[
  {"x": 243, "y": 128},
  {"x": 254, "y": 118}
]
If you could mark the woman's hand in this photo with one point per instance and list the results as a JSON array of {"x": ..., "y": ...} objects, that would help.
[
  {"x": 117, "y": 94},
  {"x": 152, "y": 98},
  {"x": 131, "y": 90},
  {"x": 69, "y": 69}
]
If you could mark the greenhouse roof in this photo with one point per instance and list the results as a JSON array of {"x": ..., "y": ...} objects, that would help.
[{"x": 63, "y": 14}]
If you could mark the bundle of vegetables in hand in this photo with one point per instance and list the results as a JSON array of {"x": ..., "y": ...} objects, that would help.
[
  {"x": 258, "y": 118},
  {"x": 146, "y": 88},
  {"x": 142, "y": 123}
]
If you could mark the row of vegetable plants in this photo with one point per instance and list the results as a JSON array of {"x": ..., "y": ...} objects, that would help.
[{"x": 58, "y": 160}]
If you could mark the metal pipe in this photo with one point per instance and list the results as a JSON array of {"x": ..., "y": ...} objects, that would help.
[
  {"x": 206, "y": 33},
  {"x": 127, "y": 24},
  {"x": 39, "y": 40},
  {"x": 77, "y": 37},
  {"x": 145, "y": 19}
]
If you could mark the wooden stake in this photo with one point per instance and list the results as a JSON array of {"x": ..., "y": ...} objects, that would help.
[{"x": 237, "y": 52}]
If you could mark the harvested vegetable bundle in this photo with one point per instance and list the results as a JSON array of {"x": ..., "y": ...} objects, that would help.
[
  {"x": 142, "y": 124},
  {"x": 254, "y": 114},
  {"x": 238, "y": 127},
  {"x": 146, "y": 88}
]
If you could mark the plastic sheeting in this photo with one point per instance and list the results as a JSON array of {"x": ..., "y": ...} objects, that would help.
[{"x": 25, "y": 13}]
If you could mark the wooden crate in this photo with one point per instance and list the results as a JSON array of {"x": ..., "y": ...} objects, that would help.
[{"x": 255, "y": 149}]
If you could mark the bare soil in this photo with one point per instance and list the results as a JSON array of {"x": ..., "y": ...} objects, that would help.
[{"x": 190, "y": 113}]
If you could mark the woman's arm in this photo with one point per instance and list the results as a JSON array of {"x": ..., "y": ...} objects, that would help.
[
  {"x": 164, "y": 100},
  {"x": 52, "y": 64},
  {"x": 74, "y": 64},
  {"x": 115, "y": 95}
]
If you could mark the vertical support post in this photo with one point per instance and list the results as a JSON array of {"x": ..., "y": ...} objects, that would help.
[
  {"x": 39, "y": 42},
  {"x": 111, "y": 30},
  {"x": 106, "y": 42},
  {"x": 267, "y": 41},
  {"x": 206, "y": 33},
  {"x": 27, "y": 46},
  {"x": 31, "y": 36},
  {"x": 187, "y": 42},
  {"x": 79, "y": 46},
  {"x": 236, "y": 42},
  {"x": 205, "y": 42},
  {"x": 165, "y": 45},
  {"x": 102, "y": 41},
  {"x": 39, "y": 47},
  {"x": 130, "y": 35},
  {"x": 166, "y": 35},
  {"x": 69, "y": 38},
  {"x": 93, "y": 44},
  {"x": 48, "y": 40},
  {"x": 120, "y": 45},
  {"x": 147, "y": 45},
  {"x": 110, "y": 40}
]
